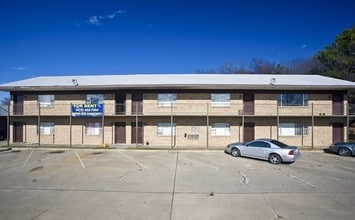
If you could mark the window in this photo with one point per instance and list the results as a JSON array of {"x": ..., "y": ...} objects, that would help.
[
  {"x": 95, "y": 99},
  {"x": 220, "y": 99},
  {"x": 46, "y": 128},
  {"x": 220, "y": 129},
  {"x": 259, "y": 144},
  {"x": 293, "y": 129},
  {"x": 292, "y": 99},
  {"x": 166, "y": 99},
  {"x": 93, "y": 128},
  {"x": 45, "y": 100},
  {"x": 164, "y": 129}
]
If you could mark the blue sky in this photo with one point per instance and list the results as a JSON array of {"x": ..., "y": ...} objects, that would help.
[{"x": 69, "y": 37}]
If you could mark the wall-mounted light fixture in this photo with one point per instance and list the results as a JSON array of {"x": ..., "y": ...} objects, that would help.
[{"x": 75, "y": 82}]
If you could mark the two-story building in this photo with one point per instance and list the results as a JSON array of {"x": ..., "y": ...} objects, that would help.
[{"x": 178, "y": 110}]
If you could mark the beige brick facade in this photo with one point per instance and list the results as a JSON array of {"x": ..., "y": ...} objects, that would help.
[{"x": 194, "y": 116}]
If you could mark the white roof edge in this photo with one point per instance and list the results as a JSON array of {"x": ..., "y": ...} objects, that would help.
[
  {"x": 192, "y": 87},
  {"x": 179, "y": 81}
]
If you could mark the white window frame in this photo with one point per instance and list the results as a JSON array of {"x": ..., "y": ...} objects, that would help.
[
  {"x": 220, "y": 129},
  {"x": 282, "y": 97},
  {"x": 166, "y": 99},
  {"x": 220, "y": 99},
  {"x": 94, "y": 99},
  {"x": 293, "y": 129},
  {"x": 164, "y": 129},
  {"x": 93, "y": 128},
  {"x": 46, "y": 100},
  {"x": 46, "y": 128}
]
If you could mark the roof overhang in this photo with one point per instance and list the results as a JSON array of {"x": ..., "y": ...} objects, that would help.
[{"x": 176, "y": 86}]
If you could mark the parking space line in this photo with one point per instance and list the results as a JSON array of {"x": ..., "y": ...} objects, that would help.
[
  {"x": 203, "y": 164},
  {"x": 139, "y": 164},
  {"x": 28, "y": 158},
  {"x": 297, "y": 179},
  {"x": 81, "y": 162}
]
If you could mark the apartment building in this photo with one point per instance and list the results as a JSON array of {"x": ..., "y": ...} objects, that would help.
[{"x": 178, "y": 110}]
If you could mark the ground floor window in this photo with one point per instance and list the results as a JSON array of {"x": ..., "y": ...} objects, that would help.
[
  {"x": 293, "y": 129},
  {"x": 93, "y": 128},
  {"x": 164, "y": 129},
  {"x": 46, "y": 128},
  {"x": 220, "y": 129}
]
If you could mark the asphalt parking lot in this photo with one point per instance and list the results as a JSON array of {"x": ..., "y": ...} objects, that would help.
[{"x": 137, "y": 184}]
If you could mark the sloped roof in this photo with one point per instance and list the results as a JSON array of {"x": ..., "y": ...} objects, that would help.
[{"x": 179, "y": 81}]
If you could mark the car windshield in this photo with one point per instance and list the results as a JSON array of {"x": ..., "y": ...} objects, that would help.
[{"x": 278, "y": 143}]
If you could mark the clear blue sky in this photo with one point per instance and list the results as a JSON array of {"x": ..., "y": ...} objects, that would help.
[{"x": 69, "y": 37}]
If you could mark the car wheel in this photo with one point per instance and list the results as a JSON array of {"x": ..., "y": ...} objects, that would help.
[
  {"x": 275, "y": 159},
  {"x": 235, "y": 152},
  {"x": 343, "y": 151}
]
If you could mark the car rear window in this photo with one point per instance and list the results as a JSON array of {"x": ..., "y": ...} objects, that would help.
[{"x": 278, "y": 143}]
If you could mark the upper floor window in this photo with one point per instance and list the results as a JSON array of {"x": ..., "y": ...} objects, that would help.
[
  {"x": 46, "y": 128},
  {"x": 166, "y": 99},
  {"x": 166, "y": 129},
  {"x": 220, "y": 99},
  {"x": 292, "y": 99},
  {"x": 46, "y": 100},
  {"x": 293, "y": 129},
  {"x": 220, "y": 129},
  {"x": 95, "y": 99}
]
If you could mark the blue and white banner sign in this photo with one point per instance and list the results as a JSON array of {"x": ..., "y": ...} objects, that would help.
[{"x": 87, "y": 110}]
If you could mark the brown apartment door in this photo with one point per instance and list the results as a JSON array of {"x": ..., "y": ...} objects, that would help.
[
  {"x": 248, "y": 101},
  {"x": 338, "y": 132},
  {"x": 249, "y": 131},
  {"x": 18, "y": 104},
  {"x": 18, "y": 132},
  {"x": 120, "y": 133},
  {"x": 137, "y": 103},
  {"x": 338, "y": 106},
  {"x": 137, "y": 133}
]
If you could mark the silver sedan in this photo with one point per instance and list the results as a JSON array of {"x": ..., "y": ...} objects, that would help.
[{"x": 274, "y": 151}]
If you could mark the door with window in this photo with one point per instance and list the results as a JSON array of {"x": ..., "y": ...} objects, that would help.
[
  {"x": 338, "y": 132},
  {"x": 18, "y": 132},
  {"x": 338, "y": 106},
  {"x": 137, "y": 103},
  {"x": 120, "y": 133},
  {"x": 137, "y": 133},
  {"x": 248, "y": 101},
  {"x": 249, "y": 131},
  {"x": 18, "y": 104}
]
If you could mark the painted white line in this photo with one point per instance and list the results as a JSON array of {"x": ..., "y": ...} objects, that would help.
[
  {"x": 139, "y": 164},
  {"x": 203, "y": 164},
  {"x": 81, "y": 162},
  {"x": 297, "y": 179},
  {"x": 28, "y": 158}
]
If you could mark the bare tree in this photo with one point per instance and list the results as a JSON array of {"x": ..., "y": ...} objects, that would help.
[{"x": 262, "y": 66}]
